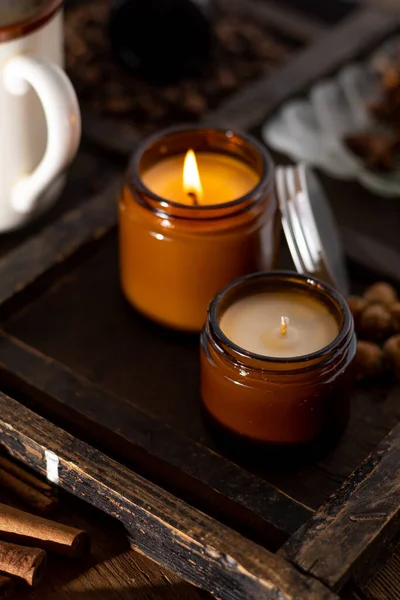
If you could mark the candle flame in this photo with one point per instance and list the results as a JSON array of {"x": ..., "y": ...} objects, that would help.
[
  {"x": 284, "y": 325},
  {"x": 191, "y": 178}
]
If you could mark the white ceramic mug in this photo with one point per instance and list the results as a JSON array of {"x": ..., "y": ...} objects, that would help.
[{"x": 40, "y": 121}]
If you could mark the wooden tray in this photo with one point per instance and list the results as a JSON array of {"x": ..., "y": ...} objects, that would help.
[
  {"x": 341, "y": 541},
  {"x": 75, "y": 352}
]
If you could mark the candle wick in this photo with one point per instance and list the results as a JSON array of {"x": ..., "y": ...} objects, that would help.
[
  {"x": 284, "y": 325},
  {"x": 193, "y": 197}
]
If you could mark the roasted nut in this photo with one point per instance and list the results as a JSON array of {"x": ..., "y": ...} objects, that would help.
[
  {"x": 375, "y": 323},
  {"x": 391, "y": 352},
  {"x": 395, "y": 312},
  {"x": 356, "y": 305},
  {"x": 381, "y": 292},
  {"x": 369, "y": 360}
]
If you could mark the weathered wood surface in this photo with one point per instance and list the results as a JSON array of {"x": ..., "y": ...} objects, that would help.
[
  {"x": 196, "y": 547},
  {"x": 112, "y": 571},
  {"x": 372, "y": 254},
  {"x": 370, "y": 236},
  {"x": 64, "y": 323},
  {"x": 56, "y": 244},
  {"x": 225, "y": 489},
  {"x": 346, "y": 535},
  {"x": 385, "y": 584},
  {"x": 286, "y": 21},
  {"x": 356, "y": 34},
  {"x": 115, "y": 348}
]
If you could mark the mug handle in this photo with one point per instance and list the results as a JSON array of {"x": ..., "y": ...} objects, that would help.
[{"x": 63, "y": 120}]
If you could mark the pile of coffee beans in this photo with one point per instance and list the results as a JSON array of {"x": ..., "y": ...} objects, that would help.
[
  {"x": 377, "y": 320},
  {"x": 244, "y": 51}
]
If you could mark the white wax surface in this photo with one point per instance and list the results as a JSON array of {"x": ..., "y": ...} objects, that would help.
[{"x": 253, "y": 323}]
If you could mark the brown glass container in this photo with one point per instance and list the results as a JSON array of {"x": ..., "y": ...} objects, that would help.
[
  {"x": 278, "y": 401},
  {"x": 174, "y": 258}
]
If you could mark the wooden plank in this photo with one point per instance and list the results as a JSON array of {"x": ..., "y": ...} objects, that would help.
[
  {"x": 57, "y": 243},
  {"x": 372, "y": 254},
  {"x": 346, "y": 535},
  {"x": 64, "y": 324},
  {"x": 285, "y": 20},
  {"x": 109, "y": 134},
  {"x": 196, "y": 547},
  {"x": 355, "y": 35},
  {"x": 221, "y": 486},
  {"x": 385, "y": 584}
]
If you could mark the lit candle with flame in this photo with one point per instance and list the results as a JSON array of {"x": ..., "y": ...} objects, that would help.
[
  {"x": 197, "y": 211},
  {"x": 200, "y": 179},
  {"x": 191, "y": 178}
]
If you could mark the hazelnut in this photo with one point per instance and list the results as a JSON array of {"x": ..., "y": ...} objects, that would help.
[
  {"x": 356, "y": 305},
  {"x": 368, "y": 361},
  {"x": 381, "y": 292},
  {"x": 375, "y": 323},
  {"x": 391, "y": 352},
  {"x": 395, "y": 312}
]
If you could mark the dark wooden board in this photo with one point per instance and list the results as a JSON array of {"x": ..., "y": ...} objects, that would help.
[
  {"x": 293, "y": 23},
  {"x": 66, "y": 304},
  {"x": 385, "y": 584},
  {"x": 346, "y": 536},
  {"x": 358, "y": 33},
  {"x": 111, "y": 345},
  {"x": 41, "y": 254},
  {"x": 151, "y": 446},
  {"x": 166, "y": 529}
]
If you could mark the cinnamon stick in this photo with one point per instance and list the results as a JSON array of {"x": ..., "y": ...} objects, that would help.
[
  {"x": 6, "y": 587},
  {"x": 31, "y": 495},
  {"x": 25, "y": 476},
  {"x": 22, "y": 528},
  {"x": 26, "y": 564}
]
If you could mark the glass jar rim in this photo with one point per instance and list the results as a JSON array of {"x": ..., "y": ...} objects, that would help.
[
  {"x": 31, "y": 23},
  {"x": 266, "y": 178},
  {"x": 304, "y": 280}
]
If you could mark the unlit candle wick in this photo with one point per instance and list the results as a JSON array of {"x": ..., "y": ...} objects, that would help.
[{"x": 284, "y": 325}]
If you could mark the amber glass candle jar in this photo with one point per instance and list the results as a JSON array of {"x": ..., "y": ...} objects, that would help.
[
  {"x": 285, "y": 401},
  {"x": 176, "y": 255}
]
